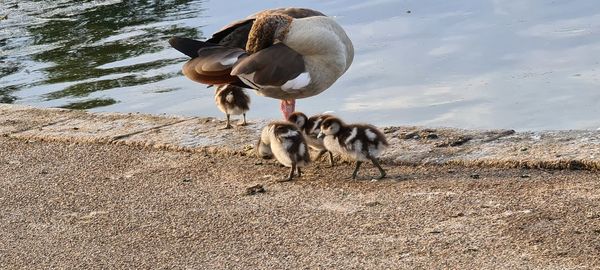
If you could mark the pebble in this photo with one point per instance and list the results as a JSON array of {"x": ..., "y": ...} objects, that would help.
[
  {"x": 457, "y": 214},
  {"x": 372, "y": 204},
  {"x": 253, "y": 190}
]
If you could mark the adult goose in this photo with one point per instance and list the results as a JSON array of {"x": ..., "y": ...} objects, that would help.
[{"x": 285, "y": 53}]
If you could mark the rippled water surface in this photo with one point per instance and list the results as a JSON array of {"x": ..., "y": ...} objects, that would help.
[{"x": 465, "y": 63}]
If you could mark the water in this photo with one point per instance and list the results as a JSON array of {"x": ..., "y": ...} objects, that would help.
[{"x": 525, "y": 65}]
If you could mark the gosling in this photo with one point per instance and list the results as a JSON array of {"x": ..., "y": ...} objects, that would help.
[
  {"x": 359, "y": 142},
  {"x": 285, "y": 142},
  {"x": 311, "y": 128},
  {"x": 232, "y": 100}
]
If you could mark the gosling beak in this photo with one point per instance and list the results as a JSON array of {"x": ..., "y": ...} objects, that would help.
[{"x": 321, "y": 135}]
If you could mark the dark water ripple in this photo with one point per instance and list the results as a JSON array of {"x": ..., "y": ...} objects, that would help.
[{"x": 54, "y": 42}]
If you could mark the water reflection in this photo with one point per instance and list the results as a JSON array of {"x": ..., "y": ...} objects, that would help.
[
  {"x": 63, "y": 45},
  {"x": 467, "y": 63}
]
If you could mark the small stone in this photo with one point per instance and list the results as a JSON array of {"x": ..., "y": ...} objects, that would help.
[
  {"x": 592, "y": 215},
  {"x": 258, "y": 163},
  {"x": 461, "y": 140},
  {"x": 432, "y": 136},
  {"x": 372, "y": 204},
  {"x": 253, "y": 190},
  {"x": 410, "y": 135},
  {"x": 525, "y": 176},
  {"x": 457, "y": 214},
  {"x": 388, "y": 130},
  {"x": 562, "y": 253},
  {"x": 187, "y": 180},
  {"x": 524, "y": 149},
  {"x": 451, "y": 171},
  {"x": 474, "y": 176}
]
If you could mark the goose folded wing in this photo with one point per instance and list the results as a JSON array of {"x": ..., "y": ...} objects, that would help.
[
  {"x": 218, "y": 58},
  {"x": 213, "y": 65},
  {"x": 273, "y": 66}
]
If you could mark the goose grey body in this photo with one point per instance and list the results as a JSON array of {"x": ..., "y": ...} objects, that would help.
[
  {"x": 232, "y": 100},
  {"x": 286, "y": 54},
  {"x": 286, "y": 143},
  {"x": 358, "y": 142}
]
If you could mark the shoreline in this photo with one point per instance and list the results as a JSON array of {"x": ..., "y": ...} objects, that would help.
[{"x": 413, "y": 146}]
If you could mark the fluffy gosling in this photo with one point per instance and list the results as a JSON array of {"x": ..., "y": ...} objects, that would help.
[
  {"x": 359, "y": 142},
  {"x": 232, "y": 100},
  {"x": 311, "y": 128},
  {"x": 284, "y": 141}
]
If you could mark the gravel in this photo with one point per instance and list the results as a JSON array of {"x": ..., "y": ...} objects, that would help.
[{"x": 65, "y": 205}]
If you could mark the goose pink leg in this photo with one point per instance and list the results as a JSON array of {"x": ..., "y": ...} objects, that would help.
[{"x": 287, "y": 107}]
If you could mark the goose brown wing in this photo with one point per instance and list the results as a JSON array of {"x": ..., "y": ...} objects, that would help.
[
  {"x": 213, "y": 65},
  {"x": 272, "y": 66}
]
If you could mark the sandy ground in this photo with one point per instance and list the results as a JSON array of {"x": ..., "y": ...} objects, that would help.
[{"x": 115, "y": 206}]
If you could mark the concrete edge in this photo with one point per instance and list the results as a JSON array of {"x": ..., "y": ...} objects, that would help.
[{"x": 413, "y": 146}]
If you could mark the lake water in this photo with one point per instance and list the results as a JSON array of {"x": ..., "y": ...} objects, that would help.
[{"x": 525, "y": 65}]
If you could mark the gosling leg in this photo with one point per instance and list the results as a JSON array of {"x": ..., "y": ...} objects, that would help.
[
  {"x": 381, "y": 171},
  {"x": 291, "y": 175},
  {"x": 331, "y": 162},
  {"x": 358, "y": 163},
  {"x": 243, "y": 123},
  {"x": 319, "y": 154},
  {"x": 228, "y": 126}
]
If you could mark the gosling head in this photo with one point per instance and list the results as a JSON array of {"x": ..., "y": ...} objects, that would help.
[
  {"x": 314, "y": 123},
  {"x": 285, "y": 130},
  {"x": 299, "y": 119},
  {"x": 330, "y": 126}
]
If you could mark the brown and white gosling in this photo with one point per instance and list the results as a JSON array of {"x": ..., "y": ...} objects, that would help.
[
  {"x": 232, "y": 100},
  {"x": 359, "y": 142},
  {"x": 311, "y": 128},
  {"x": 284, "y": 141}
]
